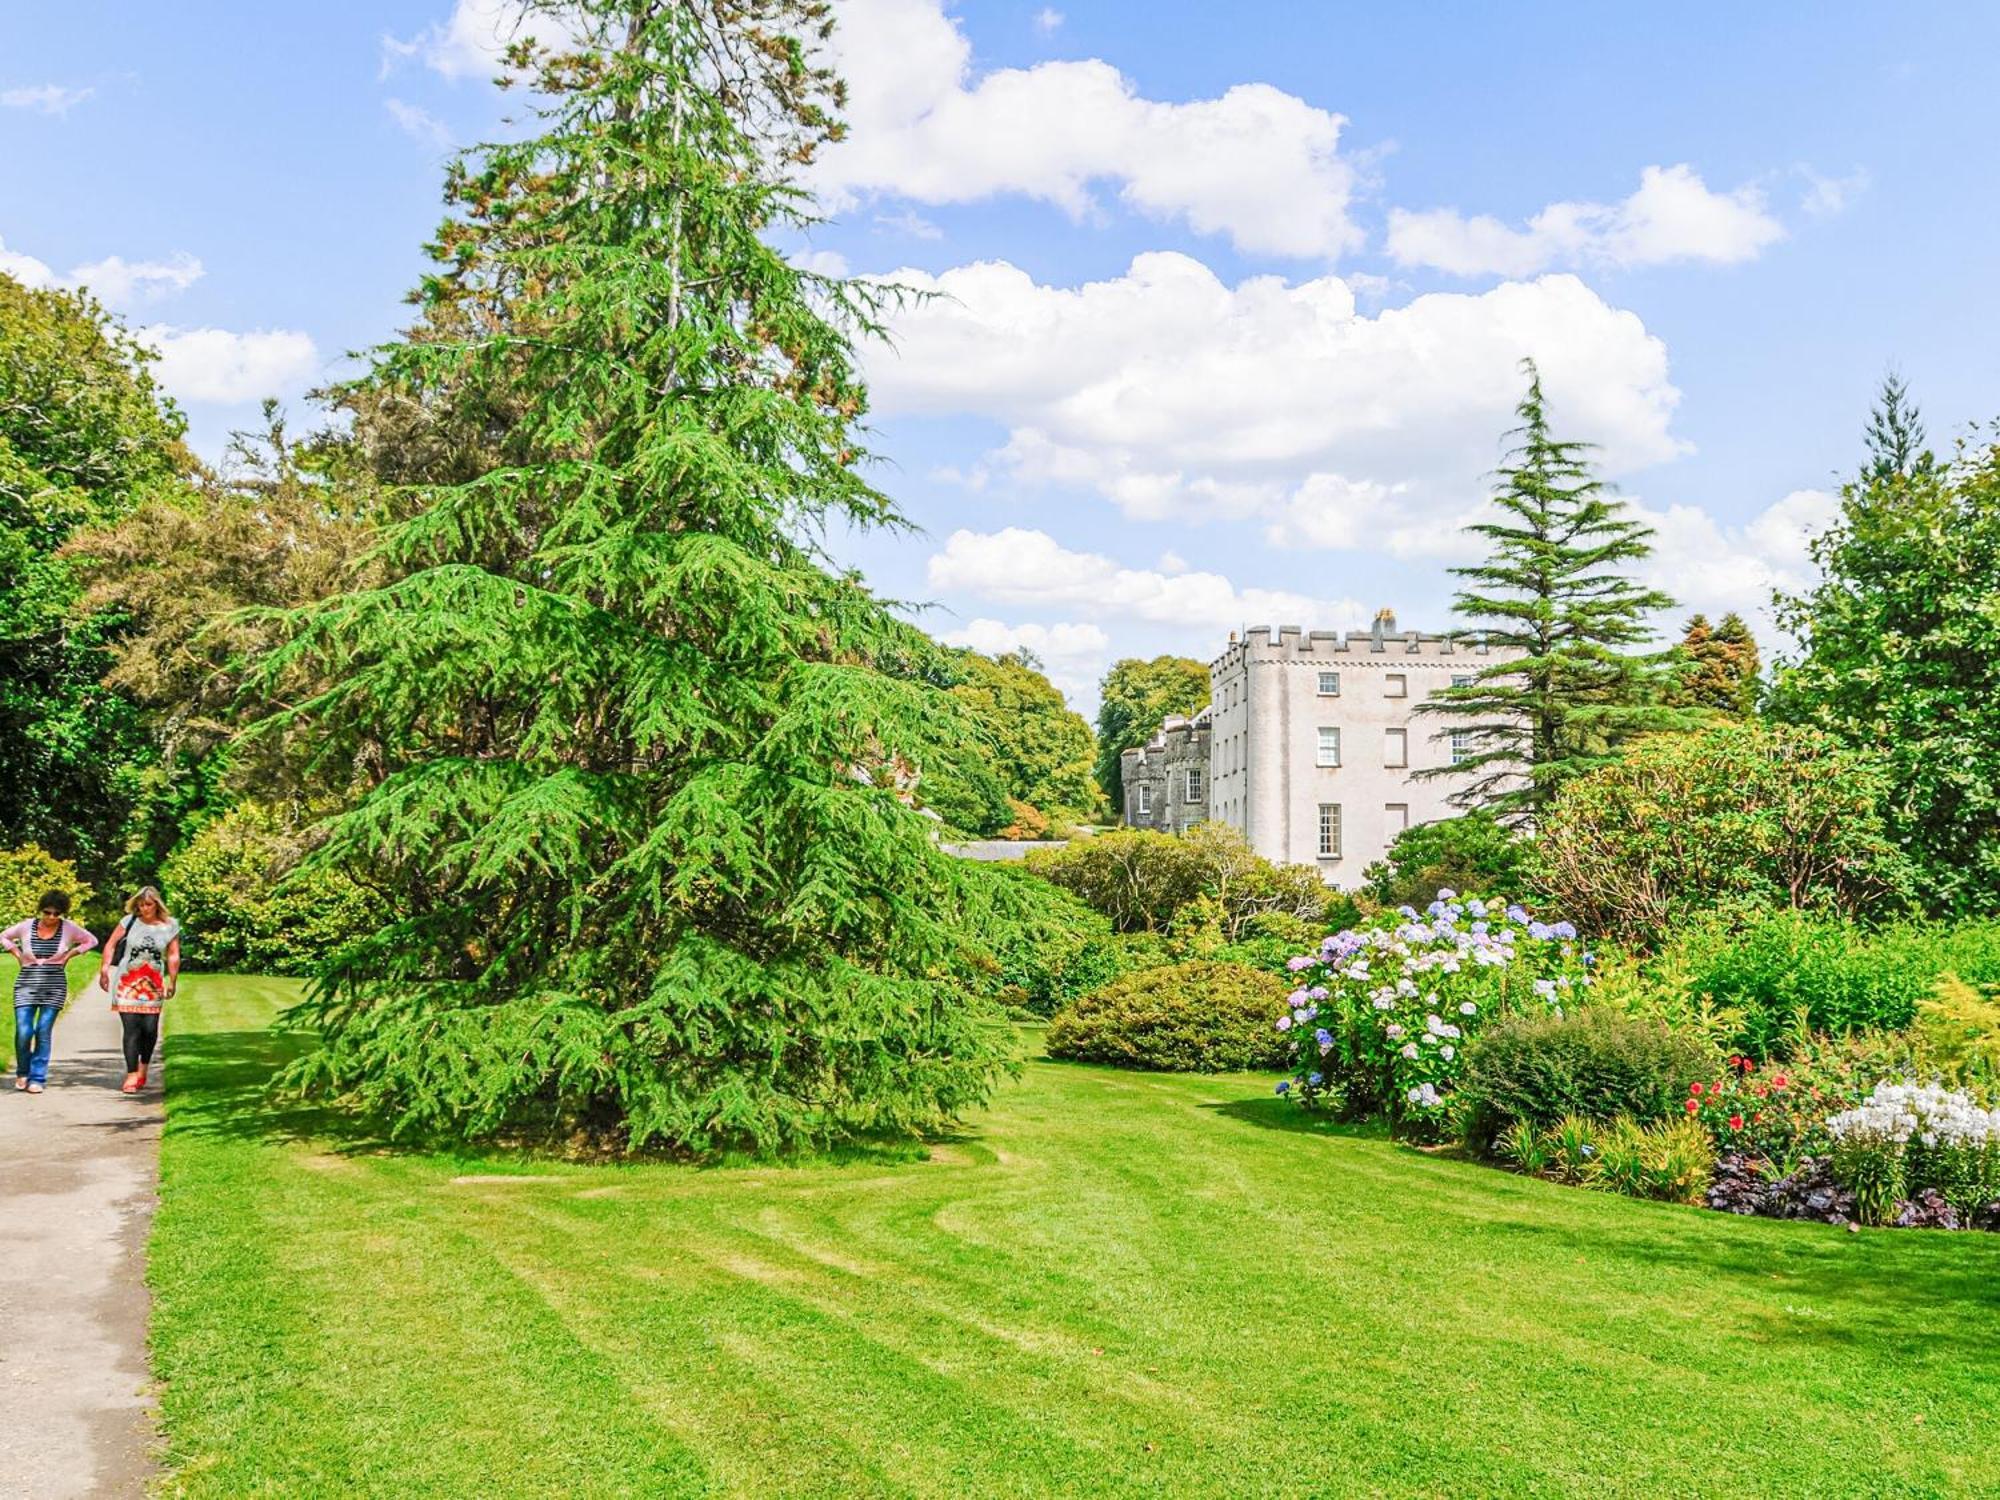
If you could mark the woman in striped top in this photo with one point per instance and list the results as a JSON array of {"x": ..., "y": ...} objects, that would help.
[{"x": 44, "y": 944}]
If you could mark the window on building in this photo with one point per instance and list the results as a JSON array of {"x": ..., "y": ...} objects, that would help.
[
  {"x": 1396, "y": 747},
  {"x": 1396, "y": 685},
  {"x": 1193, "y": 784},
  {"x": 1329, "y": 747},
  {"x": 1329, "y": 684},
  {"x": 1397, "y": 816},
  {"x": 1329, "y": 830},
  {"x": 1461, "y": 679},
  {"x": 1461, "y": 746},
  {"x": 1145, "y": 801}
]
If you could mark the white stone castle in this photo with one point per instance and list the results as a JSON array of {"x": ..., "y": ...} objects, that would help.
[{"x": 1310, "y": 745}]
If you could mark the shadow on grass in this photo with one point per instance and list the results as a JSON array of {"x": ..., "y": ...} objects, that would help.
[
  {"x": 1274, "y": 1113},
  {"x": 221, "y": 1085}
]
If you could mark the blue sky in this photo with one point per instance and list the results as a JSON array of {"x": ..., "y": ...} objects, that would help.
[{"x": 1235, "y": 293}]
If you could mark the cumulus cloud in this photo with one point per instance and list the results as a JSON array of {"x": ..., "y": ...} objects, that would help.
[
  {"x": 118, "y": 282},
  {"x": 114, "y": 280},
  {"x": 1714, "y": 567},
  {"x": 1073, "y": 655},
  {"x": 216, "y": 365},
  {"x": 1031, "y": 569},
  {"x": 44, "y": 98},
  {"x": 470, "y": 42},
  {"x": 1256, "y": 164},
  {"x": 1673, "y": 216},
  {"x": 1177, "y": 396}
]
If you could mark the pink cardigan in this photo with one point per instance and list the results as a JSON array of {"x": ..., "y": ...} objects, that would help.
[{"x": 75, "y": 939}]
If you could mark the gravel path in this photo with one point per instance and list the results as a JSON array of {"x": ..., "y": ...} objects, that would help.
[{"x": 78, "y": 1175}]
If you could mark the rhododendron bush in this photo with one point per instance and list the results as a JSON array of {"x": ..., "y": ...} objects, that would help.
[{"x": 1382, "y": 1013}]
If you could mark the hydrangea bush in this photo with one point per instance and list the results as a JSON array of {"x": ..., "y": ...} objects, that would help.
[{"x": 1381, "y": 1015}]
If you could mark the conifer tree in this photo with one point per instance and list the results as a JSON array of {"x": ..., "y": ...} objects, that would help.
[
  {"x": 632, "y": 749},
  {"x": 1717, "y": 667},
  {"x": 1895, "y": 434},
  {"x": 1552, "y": 588}
]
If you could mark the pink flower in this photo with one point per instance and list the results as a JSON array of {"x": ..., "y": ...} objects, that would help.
[
  {"x": 1694, "y": 1105},
  {"x": 1736, "y": 1122}
]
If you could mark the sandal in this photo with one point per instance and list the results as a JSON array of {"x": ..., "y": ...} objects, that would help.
[
  {"x": 20, "y": 1083},
  {"x": 34, "y": 1088}
]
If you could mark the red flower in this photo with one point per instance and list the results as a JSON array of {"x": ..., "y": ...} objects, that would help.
[
  {"x": 1694, "y": 1105},
  {"x": 1779, "y": 1080},
  {"x": 1695, "y": 1089},
  {"x": 1736, "y": 1122}
]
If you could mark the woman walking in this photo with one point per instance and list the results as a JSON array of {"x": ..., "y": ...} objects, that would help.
[
  {"x": 142, "y": 969},
  {"x": 44, "y": 944}
]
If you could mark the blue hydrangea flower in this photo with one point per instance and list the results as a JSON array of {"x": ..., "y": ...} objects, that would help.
[
  {"x": 1284, "y": 1085},
  {"x": 1316, "y": 1080}
]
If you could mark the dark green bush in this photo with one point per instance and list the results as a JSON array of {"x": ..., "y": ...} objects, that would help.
[
  {"x": 1186, "y": 1018},
  {"x": 243, "y": 906},
  {"x": 1593, "y": 1064},
  {"x": 1841, "y": 976},
  {"x": 1054, "y": 948},
  {"x": 1143, "y": 880},
  {"x": 1475, "y": 854},
  {"x": 1271, "y": 939}
]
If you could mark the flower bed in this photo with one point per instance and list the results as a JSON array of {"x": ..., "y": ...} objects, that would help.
[{"x": 1382, "y": 1014}]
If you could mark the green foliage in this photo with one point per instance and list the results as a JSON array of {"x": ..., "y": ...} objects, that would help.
[
  {"x": 1476, "y": 852},
  {"x": 1716, "y": 667},
  {"x": 1270, "y": 939},
  {"x": 245, "y": 903},
  {"x": 1669, "y": 1160},
  {"x": 1143, "y": 880},
  {"x": 1596, "y": 1064},
  {"x": 1551, "y": 589},
  {"x": 1053, "y": 948},
  {"x": 1028, "y": 746},
  {"x": 1738, "y": 817},
  {"x": 85, "y": 438},
  {"x": 632, "y": 754},
  {"x": 27, "y": 872},
  {"x": 1792, "y": 973},
  {"x": 1957, "y": 1031},
  {"x": 1136, "y": 695},
  {"x": 1186, "y": 1018},
  {"x": 1900, "y": 654}
]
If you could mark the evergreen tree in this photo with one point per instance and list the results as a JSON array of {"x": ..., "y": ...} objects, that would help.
[
  {"x": 635, "y": 752},
  {"x": 1137, "y": 694},
  {"x": 1716, "y": 667},
  {"x": 1895, "y": 434},
  {"x": 1551, "y": 588}
]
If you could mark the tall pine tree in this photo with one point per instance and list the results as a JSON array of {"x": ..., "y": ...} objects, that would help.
[
  {"x": 1552, "y": 588},
  {"x": 1896, "y": 434},
  {"x": 1716, "y": 667},
  {"x": 630, "y": 747}
]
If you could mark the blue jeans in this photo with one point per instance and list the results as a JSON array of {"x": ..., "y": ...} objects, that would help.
[{"x": 34, "y": 1031}]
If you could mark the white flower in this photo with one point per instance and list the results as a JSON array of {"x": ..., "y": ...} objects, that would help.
[
  {"x": 1468, "y": 1009},
  {"x": 1410, "y": 1050},
  {"x": 1392, "y": 1031},
  {"x": 1447, "y": 1052}
]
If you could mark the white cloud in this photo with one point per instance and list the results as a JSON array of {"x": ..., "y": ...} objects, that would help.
[
  {"x": 118, "y": 282},
  {"x": 911, "y": 223},
  {"x": 1174, "y": 395},
  {"x": 1673, "y": 216},
  {"x": 1031, "y": 569},
  {"x": 1713, "y": 568},
  {"x": 1074, "y": 655},
  {"x": 213, "y": 364},
  {"x": 45, "y": 98},
  {"x": 419, "y": 123},
  {"x": 1048, "y": 20},
  {"x": 1827, "y": 196},
  {"x": 114, "y": 280},
  {"x": 1256, "y": 164},
  {"x": 471, "y": 42},
  {"x": 25, "y": 268}
]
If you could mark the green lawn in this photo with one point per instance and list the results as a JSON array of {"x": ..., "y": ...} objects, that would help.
[{"x": 1113, "y": 1284}]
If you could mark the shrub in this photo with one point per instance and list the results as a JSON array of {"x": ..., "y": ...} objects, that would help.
[
  {"x": 1186, "y": 1018},
  {"x": 1271, "y": 938},
  {"x": 1839, "y": 977},
  {"x": 26, "y": 872},
  {"x": 1053, "y": 948},
  {"x": 1958, "y": 1031},
  {"x": 1473, "y": 853},
  {"x": 1141, "y": 879},
  {"x": 1740, "y": 817},
  {"x": 243, "y": 903},
  {"x": 1668, "y": 1160},
  {"x": 1596, "y": 1064},
  {"x": 1383, "y": 1012}
]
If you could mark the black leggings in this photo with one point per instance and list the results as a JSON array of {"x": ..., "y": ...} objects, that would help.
[{"x": 142, "y": 1035}]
